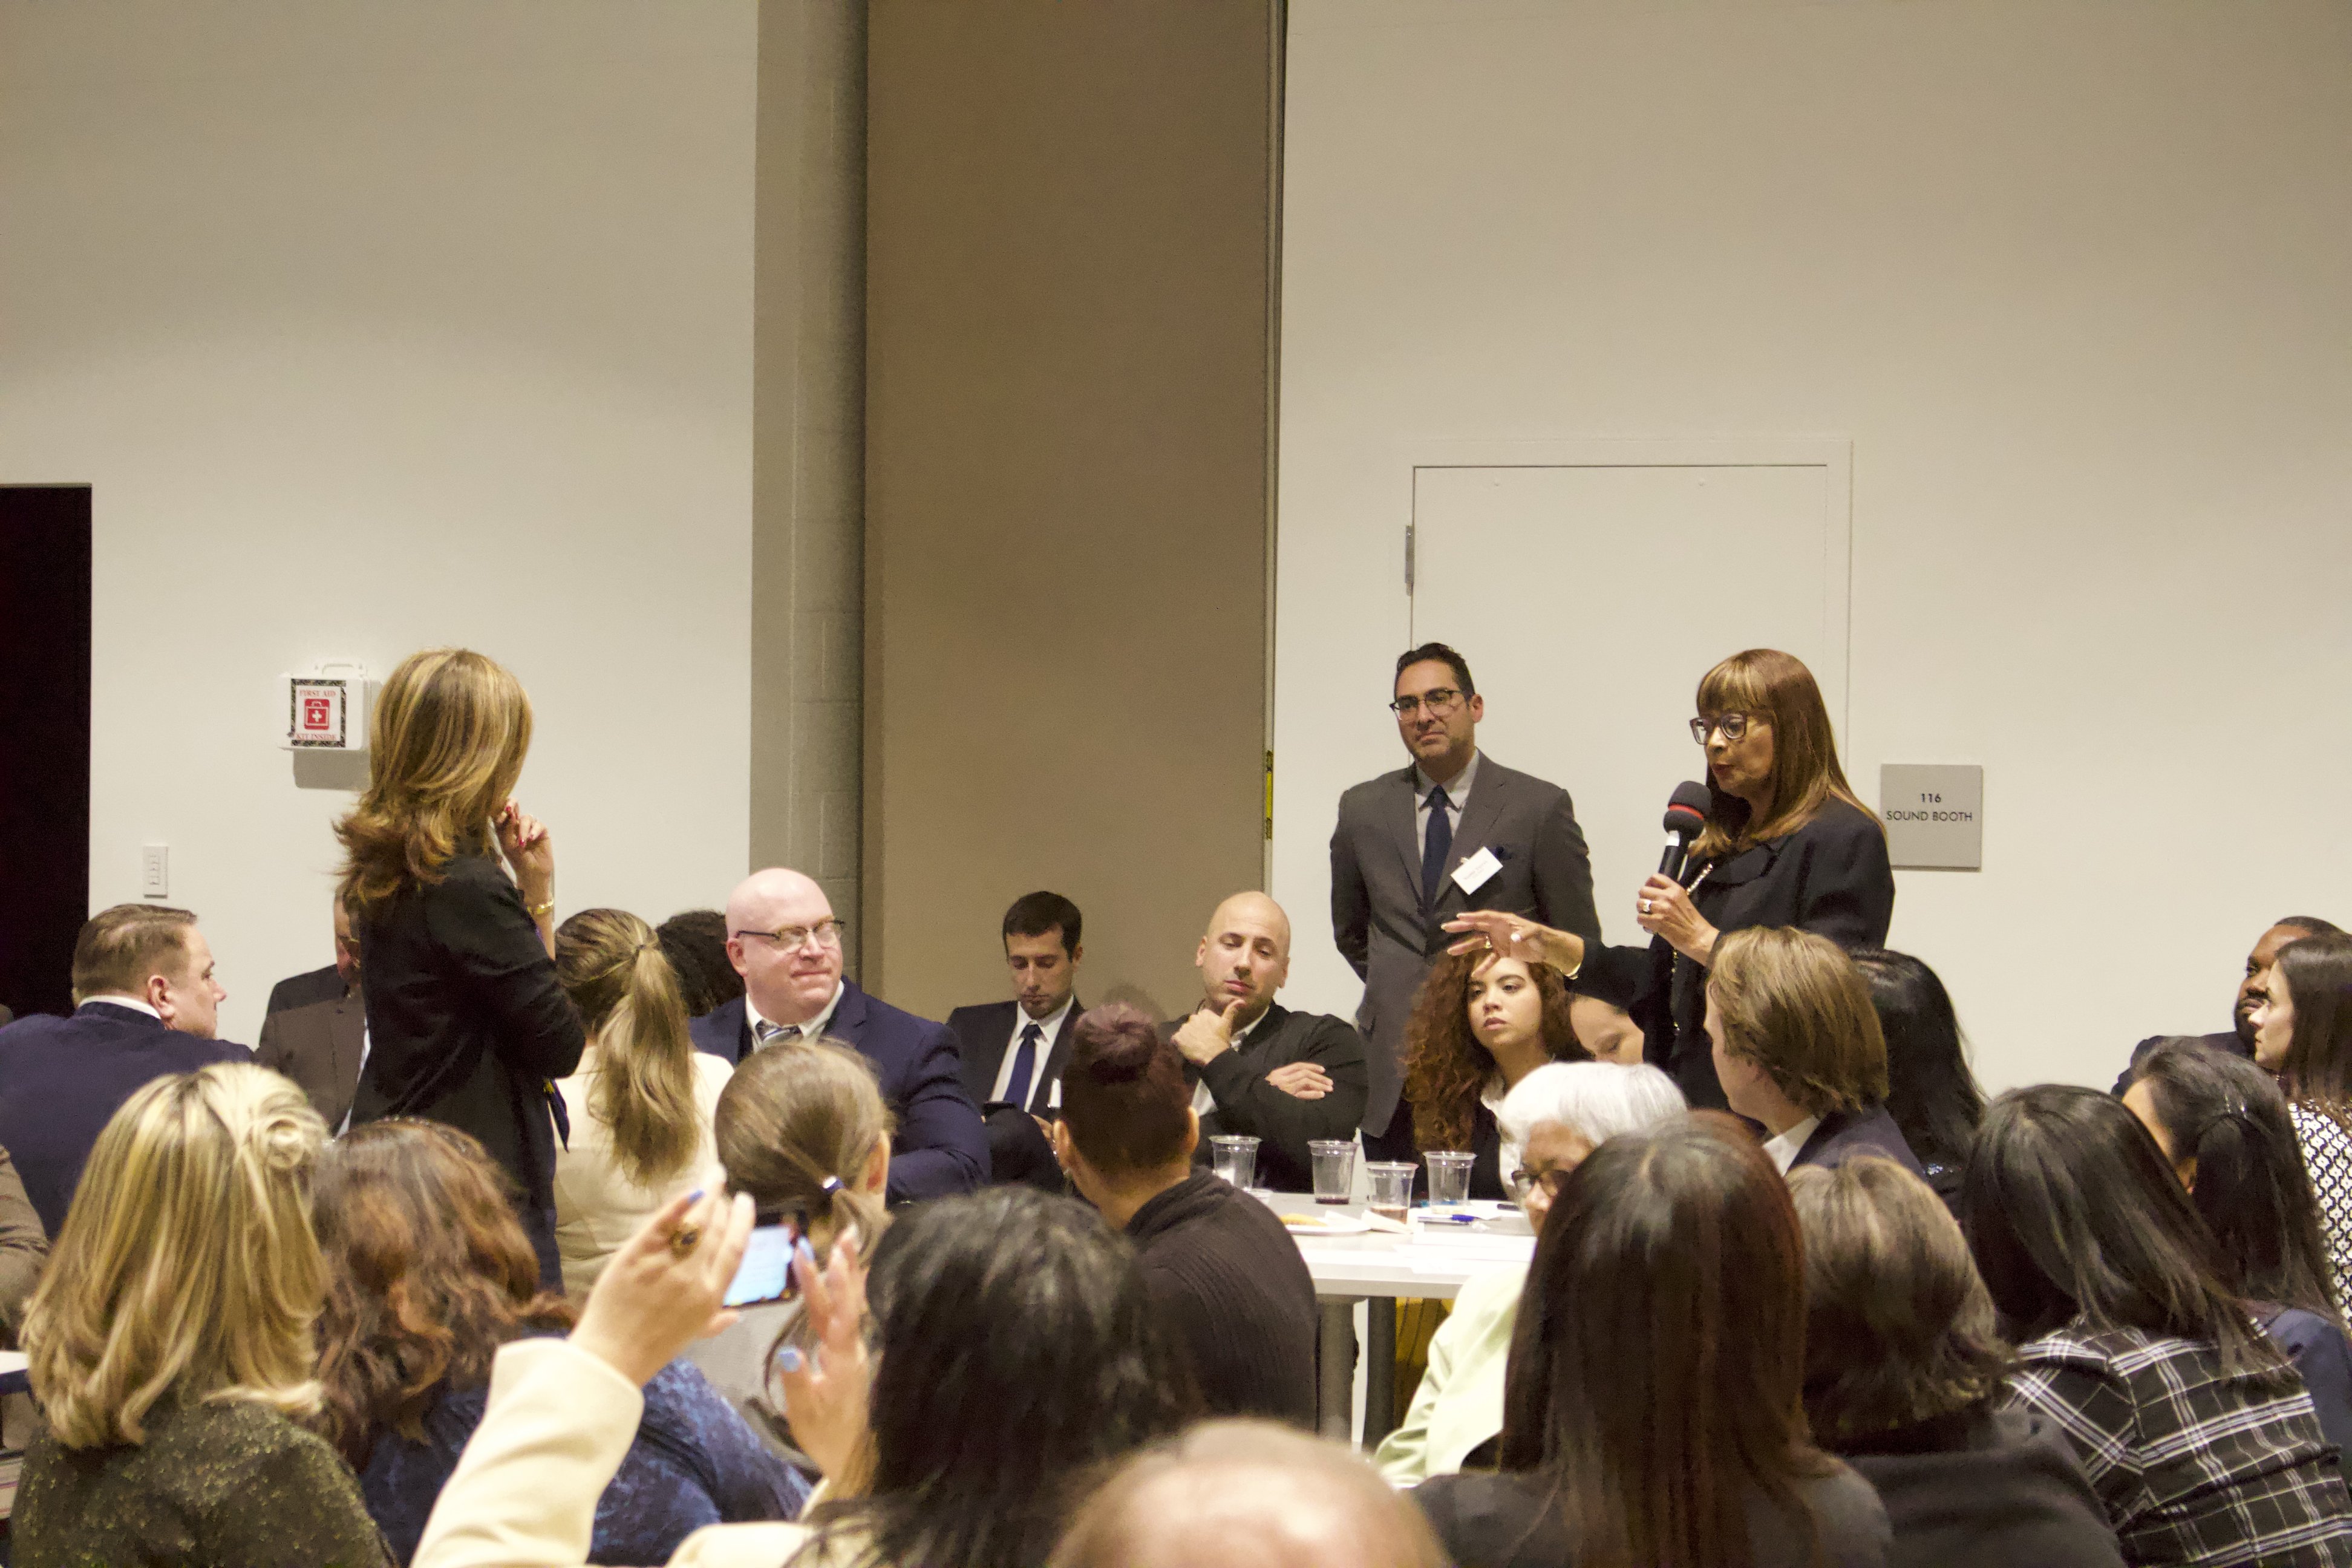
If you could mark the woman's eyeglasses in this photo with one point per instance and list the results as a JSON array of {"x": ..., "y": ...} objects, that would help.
[
  {"x": 1524, "y": 1179},
  {"x": 1733, "y": 725}
]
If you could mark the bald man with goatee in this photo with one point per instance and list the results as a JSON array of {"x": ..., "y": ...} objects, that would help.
[
  {"x": 1286, "y": 1078},
  {"x": 784, "y": 940}
]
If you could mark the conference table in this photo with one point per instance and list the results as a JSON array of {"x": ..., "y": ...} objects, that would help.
[{"x": 1353, "y": 1265}]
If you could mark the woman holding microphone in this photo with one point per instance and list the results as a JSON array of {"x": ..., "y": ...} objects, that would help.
[{"x": 1785, "y": 843}]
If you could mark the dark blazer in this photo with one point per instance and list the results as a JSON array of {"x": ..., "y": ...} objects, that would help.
[
  {"x": 2321, "y": 1354},
  {"x": 1234, "y": 1290},
  {"x": 313, "y": 1033},
  {"x": 984, "y": 1033},
  {"x": 1843, "y": 1134},
  {"x": 1377, "y": 916},
  {"x": 1830, "y": 877},
  {"x": 939, "y": 1147},
  {"x": 466, "y": 1022},
  {"x": 62, "y": 1079},
  {"x": 1980, "y": 1488},
  {"x": 1512, "y": 1520},
  {"x": 1283, "y": 1124}
]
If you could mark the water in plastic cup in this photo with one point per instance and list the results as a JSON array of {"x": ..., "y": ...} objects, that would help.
[
  {"x": 1392, "y": 1188},
  {"x": 1335, "y": 1168},
  {"x": 1449, "y": 1176},
  {"x": 1234, "y": 1157}
]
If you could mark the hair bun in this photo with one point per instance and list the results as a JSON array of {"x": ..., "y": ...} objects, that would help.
[{"x": 1115, "y": 1044}]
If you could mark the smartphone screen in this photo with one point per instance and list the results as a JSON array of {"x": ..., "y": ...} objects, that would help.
[{"x": 766, "y": 1273}]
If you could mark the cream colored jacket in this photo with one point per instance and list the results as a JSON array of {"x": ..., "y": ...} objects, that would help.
[
  {"x": 1459, "y": 1404},
  {"x": 597, "y": 1205},
  {"x": 524, "y": 1492}
]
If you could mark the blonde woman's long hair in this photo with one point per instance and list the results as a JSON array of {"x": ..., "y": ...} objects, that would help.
[
  {"x": 446, "y": 747},
  {"x": 796, "y": 1115},
  {"x": 614, "y": 971},
  {"x": 187, "y": 1265},
  {"x": 1777, "y": 688}
]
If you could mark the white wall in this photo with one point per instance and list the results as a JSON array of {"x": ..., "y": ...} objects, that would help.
[
  {"x": 2073, "y": 277},
  {"x": 376, "y": 327}
]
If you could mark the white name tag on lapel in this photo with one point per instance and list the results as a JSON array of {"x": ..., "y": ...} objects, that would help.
[{"x": 1477, "y": 872}]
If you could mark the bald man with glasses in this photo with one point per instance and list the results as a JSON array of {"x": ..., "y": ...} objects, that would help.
[
  {"x": 782, "y": 939},
  {"x": 1453, "y": 830}
]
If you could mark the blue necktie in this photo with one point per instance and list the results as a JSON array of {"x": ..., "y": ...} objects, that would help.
[
  {"x": 1024, "y": 1062},
  {"x": 1435, "y": 845}
]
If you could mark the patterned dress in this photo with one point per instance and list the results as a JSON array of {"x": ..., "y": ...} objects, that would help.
[{"x": 2328, "y": 1154}]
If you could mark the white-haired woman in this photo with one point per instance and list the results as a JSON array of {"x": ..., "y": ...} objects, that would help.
[
  {"x": 171, "y": 1344},
  {"x": 1556, "y": 1115}
]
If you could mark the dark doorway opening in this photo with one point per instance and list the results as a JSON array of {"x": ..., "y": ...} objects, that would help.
[{"x": 44, "y": 741}]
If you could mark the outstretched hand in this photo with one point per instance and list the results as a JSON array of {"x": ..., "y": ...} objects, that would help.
[
  {"x": 826, "y": 1387},
  {"x": 664, "y": 1288},
  {"x": 1515, "y": 936}
]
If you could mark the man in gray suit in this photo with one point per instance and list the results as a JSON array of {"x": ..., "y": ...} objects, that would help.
[
  {"x": 1452, "y": 831},
  {"x": 315, "y": 1029}
]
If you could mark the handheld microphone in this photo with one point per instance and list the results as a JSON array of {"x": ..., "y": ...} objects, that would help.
[{"x": 1685, "y": 815}]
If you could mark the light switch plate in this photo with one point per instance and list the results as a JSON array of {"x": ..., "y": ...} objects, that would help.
[{"x": 154, "y": 871}]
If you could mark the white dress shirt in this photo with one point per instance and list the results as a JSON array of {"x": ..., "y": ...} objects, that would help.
[
  {"x": 812, "y": 1030},
  {"x": 1785, "y": 1148},
  {"x": 1457, "y": 791},
  {"x": 1048, "y": 1027},
  {"x": 116, "y": 999}
]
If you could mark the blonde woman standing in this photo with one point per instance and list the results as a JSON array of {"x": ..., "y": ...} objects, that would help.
[
  {"x": 641, "y": 1103},
  {"x": 467, "y": 1023},
  {"x": 171, "y": 1347}
]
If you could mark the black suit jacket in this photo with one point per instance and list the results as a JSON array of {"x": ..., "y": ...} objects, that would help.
[
  {"x": 1830, "y": 877},
  {"x": 1843, "y": 1134},
  {"x": 62, "y": 1079},
  {"x": 1979, "y": 1488},
  {"x": 313, "y": 1033},
  {"x": 984, "y": 1033},
  {"x": 939, "y": 1147},
  {"x": 1283, "y": 1124},
  {"x": 467, "y": 1023}
]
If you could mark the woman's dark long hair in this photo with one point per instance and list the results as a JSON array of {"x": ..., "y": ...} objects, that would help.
[
  {"x": 429, "y": 1272},
  {"x": 1447, "y": 1066},
  {"x": 2075, "y": 1219},
  {"x": 2251, "y": 1188},
  {"x": 1930, "y": 1092},
  {"x": 1018, "y": 1352},
  {"x": 2317, "y": 973},
  {"x": 1658, "y": 1362}
]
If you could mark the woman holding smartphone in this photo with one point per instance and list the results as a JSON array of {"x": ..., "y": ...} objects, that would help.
[
  {"x": 1786, "y": 842},
  {"x": 467, "y": 1021}
]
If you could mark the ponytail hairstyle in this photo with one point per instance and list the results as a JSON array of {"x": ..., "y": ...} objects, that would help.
[
  {"x": 618, "y": 977},
  {"x": 796, "y": 1127},
  {"x": 2250, "y": 1185}
]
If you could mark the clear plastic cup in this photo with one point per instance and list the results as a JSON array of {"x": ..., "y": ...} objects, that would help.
[
  {"x": 1233, "y": 1156},
  {"x": 1449, "y": 1176},
  {"x": 1335, "y": 1168},
  {"x": 1392, "y": 1188}
]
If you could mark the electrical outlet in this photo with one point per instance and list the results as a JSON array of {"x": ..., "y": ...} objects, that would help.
[{"x": 155, "y": 871}]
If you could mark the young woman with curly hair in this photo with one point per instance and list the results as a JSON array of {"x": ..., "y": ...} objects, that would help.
[
  {"x": 428, "y": 1274},
  {"x": 1479, "y": 1025}
]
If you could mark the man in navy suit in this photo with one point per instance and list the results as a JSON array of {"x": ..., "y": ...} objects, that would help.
[
  {"x": 1013, "y": 1051},
  {"x": 783, "y": 939},
  {"x": 146, "y": 1004}
]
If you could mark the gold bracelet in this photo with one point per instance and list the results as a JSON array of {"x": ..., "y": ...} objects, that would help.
[{"x": 541, "y": 911}]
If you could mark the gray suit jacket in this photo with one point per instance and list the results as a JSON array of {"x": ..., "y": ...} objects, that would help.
[
  {"x": 1376, "y": 913},
  {"x": 312, "y": 1033}
]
